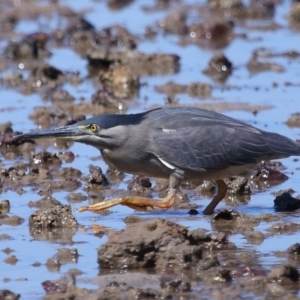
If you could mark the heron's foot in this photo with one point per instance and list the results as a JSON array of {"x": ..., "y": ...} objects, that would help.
[
  {"x": 135, "y": 202},
  {"x": 222, "y": 190}
]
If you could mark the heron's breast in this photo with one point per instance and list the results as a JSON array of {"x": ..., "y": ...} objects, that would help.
[{"x": 136, "y": 164}]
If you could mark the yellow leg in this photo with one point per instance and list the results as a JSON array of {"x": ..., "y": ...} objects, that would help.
[
  {"x": 135, "y": 202},
  {"x": 222, "y": 189}
]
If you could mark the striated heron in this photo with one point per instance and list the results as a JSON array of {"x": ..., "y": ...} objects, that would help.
[{"x": 176, "y": 143}]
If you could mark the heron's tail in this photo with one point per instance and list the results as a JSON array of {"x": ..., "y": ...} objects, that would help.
[{"x": 281, "y": 146}]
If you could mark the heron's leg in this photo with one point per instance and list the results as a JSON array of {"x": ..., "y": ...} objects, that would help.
[
  {"x": 137, "y": 202},
  {"x": 222, "y": 189}
]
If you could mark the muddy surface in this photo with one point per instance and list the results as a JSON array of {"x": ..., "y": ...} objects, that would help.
[{"x": 64, "y": 61}]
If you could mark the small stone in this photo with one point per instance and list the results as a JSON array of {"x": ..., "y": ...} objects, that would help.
[{"x": 11, "y": 260}]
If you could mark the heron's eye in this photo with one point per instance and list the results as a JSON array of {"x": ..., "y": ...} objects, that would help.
[{"x": 94, "y": 128}]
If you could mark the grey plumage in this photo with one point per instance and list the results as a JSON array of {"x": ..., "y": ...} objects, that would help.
[{"x": 177, "y": 143}]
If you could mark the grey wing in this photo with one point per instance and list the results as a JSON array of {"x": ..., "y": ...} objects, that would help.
[{"x": 213, "y": 146}]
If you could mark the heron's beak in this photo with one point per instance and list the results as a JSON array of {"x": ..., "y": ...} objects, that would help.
[{"x": 71, "y": 132}]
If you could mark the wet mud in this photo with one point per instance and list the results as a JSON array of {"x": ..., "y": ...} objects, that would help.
[{"x": 64, "y": 61}]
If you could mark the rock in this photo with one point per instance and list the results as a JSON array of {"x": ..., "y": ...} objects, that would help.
[
  {"x": 238, "y": 185},
  {"x": 96, "y": 178},
  {"x": 199, "y": 90},
  {"x": 139, "y": 185},
  {"x": 32, "y": 46},
  {"x": 174, "y": 23},
  {"x": 11, "y": 260},
  {"x": 11, "y": 220},
  {"x": 294, "y": 15},
  {"x": 286, "y": 202},
  {"x": 151, "y": 244},
  {"x": 283, "y": 274},
  {"x": 4, "y": 206},
  {"x": 54, "y": 216},
  {"x": 62, "y": 96},
  {"x": 121, "y": 80},
  {"x": 76, "y": 197},
  {"x": 219, "y": 68},
  {"x": 45, "y": 157},
  {"x": 294, "y": 249},
  {"x": 207, "y": 263},
  {"x": 105, "y": 98},
  {"x": 281, "y": 227},
  {"x": 47, "y": 201},
  {"x": 255, "y": 65},
  {"x": 8, "y": 295}
]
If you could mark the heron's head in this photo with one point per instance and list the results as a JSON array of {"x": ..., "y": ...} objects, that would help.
[{"x": 102, "y": 132}]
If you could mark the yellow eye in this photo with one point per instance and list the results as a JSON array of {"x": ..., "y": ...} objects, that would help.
[{"x": 94, "y": 128}]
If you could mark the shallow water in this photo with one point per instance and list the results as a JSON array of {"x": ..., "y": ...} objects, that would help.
[{"x": 237, "y": 98}]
